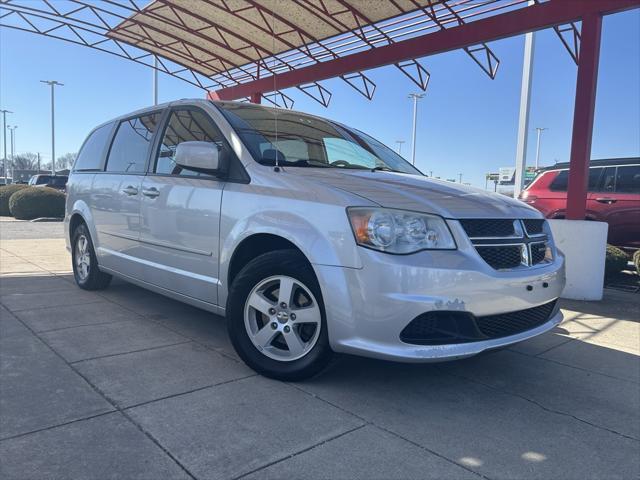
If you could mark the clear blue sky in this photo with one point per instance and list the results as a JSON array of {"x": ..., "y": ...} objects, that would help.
[{"x": 467, "y": 122}]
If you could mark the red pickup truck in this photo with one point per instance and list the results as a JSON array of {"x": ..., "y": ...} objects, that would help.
[{"x": 613, "y": 196}]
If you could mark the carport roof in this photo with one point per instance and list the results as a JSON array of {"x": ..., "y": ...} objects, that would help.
[{"x": 233, "y": 38}]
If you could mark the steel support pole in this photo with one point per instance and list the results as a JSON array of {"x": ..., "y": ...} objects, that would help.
[
  {"x": 415, "y": 97},
  {"x": 155, "y": 81},
  {"x": 523, "y": 121},
  {"x": 53, "y": 131},
  {"x": 583, "y": 114},
  {"x": 4, "y": 143},
  {"x": 13, "y": 154},
  {"x": 256, "y": 98},
  {"x": 52, "y": 84},
  {"x": 538, "y": 131},
  {"x": 413, "y": 134}
]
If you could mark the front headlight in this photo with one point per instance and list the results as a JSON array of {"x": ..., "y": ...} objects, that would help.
[{"x": 399, "y": 231}]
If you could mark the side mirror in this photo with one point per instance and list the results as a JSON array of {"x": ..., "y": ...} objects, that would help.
[{"x": 203, "y": 157}]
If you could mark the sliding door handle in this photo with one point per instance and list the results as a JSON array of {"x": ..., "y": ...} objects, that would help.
[{"x": 151, "y": 192}]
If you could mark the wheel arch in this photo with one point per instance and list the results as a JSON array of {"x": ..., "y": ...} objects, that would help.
[
  {"x": 75, "y": 220},
  {"x": 255, "y": 245},
  {"x": 80, "y": 213}
]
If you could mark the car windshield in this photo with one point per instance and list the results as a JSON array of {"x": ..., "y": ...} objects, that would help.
[{"x": 297, "y": 140}]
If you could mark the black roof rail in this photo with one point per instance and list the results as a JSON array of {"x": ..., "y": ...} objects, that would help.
[{"x": 602, "y": 162}]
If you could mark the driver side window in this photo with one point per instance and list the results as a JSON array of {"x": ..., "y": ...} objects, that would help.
[
  {"x": 185, "y": 126},
  {"x": 340, "y": 150}
]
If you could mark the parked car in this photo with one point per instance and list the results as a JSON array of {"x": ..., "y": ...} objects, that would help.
[
  {"x": 613, "y": 196},
  {"x": 308, "y": 235},
  {"x": 59, "y": 182},
  {"x": 6, "y": 181}
]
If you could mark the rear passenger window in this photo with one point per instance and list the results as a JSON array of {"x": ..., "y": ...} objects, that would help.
[
  {"x": 131, "y": 144},
  {"x": 594, "y": 178},
  {"x": 628, "y": 179},
  {"x": 559, "y": 184},
  {"x": 90, "y": 156},
  {"x": 186, "y": 126},
  {"x": 608, "y": 183}
]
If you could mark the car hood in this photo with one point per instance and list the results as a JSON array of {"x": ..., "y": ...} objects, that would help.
[{"x": 423, "y": 194}]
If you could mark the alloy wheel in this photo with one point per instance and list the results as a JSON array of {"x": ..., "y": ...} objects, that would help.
[
  {"x": 83, "y": 258},
  {"x": 282, "y": 318}
]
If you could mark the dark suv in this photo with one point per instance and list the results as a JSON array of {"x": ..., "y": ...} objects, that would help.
[
  {"x": 59, "y": 182},
  {"x": 613, "y": 197}
]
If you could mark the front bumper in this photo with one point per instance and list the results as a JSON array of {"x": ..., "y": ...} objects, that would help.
[{"x": 367, "y": 308}]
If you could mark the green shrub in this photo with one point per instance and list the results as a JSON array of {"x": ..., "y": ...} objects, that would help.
[
  {"x": 36, "y": 202},
  {"x": 636, "y": 260},
  {"x": 616, "y": 260},
  {"x": 5, "y": 194}
]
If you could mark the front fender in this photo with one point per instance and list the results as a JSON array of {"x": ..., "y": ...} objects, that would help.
[{"x": 323, "y": 241}]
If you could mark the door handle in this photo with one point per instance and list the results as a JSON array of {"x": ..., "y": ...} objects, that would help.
[
  {"x": 608, "y": 201},
  {"x": 130, "y": 190},
  {"x": 151, "y": 192}
]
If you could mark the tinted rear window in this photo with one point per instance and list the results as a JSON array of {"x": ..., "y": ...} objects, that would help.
[
  {"x": 90, "y": 156},
  {"x": 560, "y": 183},
  {"x": 628, "y": 179},
  {"x": 130, "y": 146},
  {"x": 42, "y": 179},
  {"x": 57, "y": 181}
]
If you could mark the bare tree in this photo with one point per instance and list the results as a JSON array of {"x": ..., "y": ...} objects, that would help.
[
  {"x": 66, "y": 161},
  {"x": 25, "y": 161}
]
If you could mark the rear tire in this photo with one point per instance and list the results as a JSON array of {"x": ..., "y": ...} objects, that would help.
[
  {"x": 276, "y": 318},
  {"x": 86, "y": 272}
]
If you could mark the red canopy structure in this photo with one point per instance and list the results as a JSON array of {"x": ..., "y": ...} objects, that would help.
[{"x": 254, "y": 49}]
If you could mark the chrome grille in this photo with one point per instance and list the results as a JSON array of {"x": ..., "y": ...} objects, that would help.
[
  {"x": 505, "y": 244},
  {"x": 502, "y": 256},
  {"x": 538, "y": 252},
  {"x": 534, "y": 226},
  {"x": 487, "y": 228}
]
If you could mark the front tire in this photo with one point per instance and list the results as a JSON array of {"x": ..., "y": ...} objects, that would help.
[
  {"x": 86, "y": 272},
  {"x": 276, "y": 318}
]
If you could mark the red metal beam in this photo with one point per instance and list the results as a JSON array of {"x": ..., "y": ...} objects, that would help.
[
  {"x": 536, "y": 17},
  {"x": 583, "y": 116}
]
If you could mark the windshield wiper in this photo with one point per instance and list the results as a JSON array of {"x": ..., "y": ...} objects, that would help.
[{"x": 386, "y": 169}]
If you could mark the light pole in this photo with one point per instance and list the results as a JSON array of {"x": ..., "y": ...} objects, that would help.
[
  {"x": 416, "y": 97},
  {"x": 4, "y": 142},
  {"x": 539, "y": 130},
  {"x": 400, "y": 142},
  {"x": 13, "y": 151},
  {"x": 155, "y": 80},
  {"x": 460, "y": 178},
  {"x": 53, "y": 84}
]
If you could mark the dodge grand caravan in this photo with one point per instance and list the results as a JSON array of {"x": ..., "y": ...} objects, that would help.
[{"x": 308, "y": 235}]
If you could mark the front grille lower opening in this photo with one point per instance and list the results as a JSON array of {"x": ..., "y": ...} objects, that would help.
[
  {"x": 448, "y": 328},
  {"x": 507, "y": 324},
  {"x": 441, "y": 328}
]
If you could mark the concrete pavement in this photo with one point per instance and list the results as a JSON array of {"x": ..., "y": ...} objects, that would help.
[{"x": 125, "y": 383}]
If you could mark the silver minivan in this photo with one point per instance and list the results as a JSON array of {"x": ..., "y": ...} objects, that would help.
[{"x": 309, "y": 236}]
